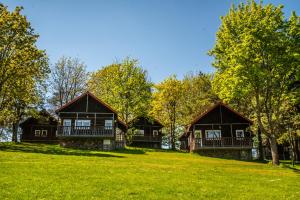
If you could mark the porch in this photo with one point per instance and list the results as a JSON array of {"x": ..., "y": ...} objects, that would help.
[
  {"x": 142, "y": 138},
  {"x": 223, "y": 142},
  {"x": 85, "y": 131}
]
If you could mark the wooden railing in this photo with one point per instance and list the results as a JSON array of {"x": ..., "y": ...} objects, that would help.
[
  {"x": 223, "y": 142},
  {"x": 142, "y": 138},
  {"x": 85, "y": 131}
]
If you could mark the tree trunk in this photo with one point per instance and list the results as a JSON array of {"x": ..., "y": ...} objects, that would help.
[
  {"x": 297, "y": 152},
  {"x": 15, "y": 132},
  {"x": 260, "y": 147},
  {"x": 173, "y": 138},
  {"x": 274, "y": 150}
]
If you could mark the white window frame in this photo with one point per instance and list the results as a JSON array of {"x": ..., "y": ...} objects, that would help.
[
  {"x": 108, "y": 124},
  {"x": 242, "y": 134},
  {"x": 46, "y": 133},
  {"x": 67, "y": 128},
  {"x": 198, "y": 133},
  {"x": 82, "y": 123},
  {"x": 214, "y": 131},
  {"x": 140, "y": 132},
  {"x": 67, "y": 120},
  {"x": 155, "y": 133},
  {"x": 37, "y": 133}
]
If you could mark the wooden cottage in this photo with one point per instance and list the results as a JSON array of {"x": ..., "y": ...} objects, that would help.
[
  {"x": 88, "y": 122},
  {"x": 41, "y": 128},
  {"x": 147, "y": 132},
  {"x": 219, "y": 132}
]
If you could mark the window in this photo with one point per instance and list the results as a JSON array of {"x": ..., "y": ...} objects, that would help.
[
  {"x": 108, "y": 124},
  {"x": 67, "y": 122},
  {"x": 155, "y": 132},
  {"x": 37, "y": 133},
  {"x": 198, "y": 134},
  {"x": 239, "y": 134},
  {"x": 67, "y": 126},
  {"x": 211, "y": 134},
  {"x": 106, "y": 142},
  {"x": 44, "y": 133},
  {"x": 139, "y": 132},
  {"x": 82, "y": 124}
]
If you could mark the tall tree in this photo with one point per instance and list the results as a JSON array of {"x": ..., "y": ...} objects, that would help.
[
  {"x": 254, "y": 58},
  {"x": 125, "y": 86},
  {"x": 198, "y": 94},
  {"x": 166, "y": 105},
  {"x": 68, "y": 80},
  {"x": 23, "y": 67}
]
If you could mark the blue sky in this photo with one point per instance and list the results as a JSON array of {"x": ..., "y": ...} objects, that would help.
[{"x": 167, "y": 36}]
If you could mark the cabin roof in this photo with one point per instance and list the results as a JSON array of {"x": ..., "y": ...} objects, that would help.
[
  {"x": 203, "y": 114},
  {"x": 41, "y": 114},
  {"x": 97, "y": 100},
  {"x": 147, "y": 119},
  {"x": 83, "y": 95}
]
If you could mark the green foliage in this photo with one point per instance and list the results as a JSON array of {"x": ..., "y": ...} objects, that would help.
[
  {"x": 256, "y": 54},
  {"x": 23, "y": 67},
  {"x": 38, "y": 171},
  {"x": 124, "y": 86},
  {"x": 197, "y": 96},
  {"x": 165, "y": 104}
]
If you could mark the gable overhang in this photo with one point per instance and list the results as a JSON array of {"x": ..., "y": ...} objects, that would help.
[
  {"x": 202, "y": 115},
  {"x": 82, "y": 96}
]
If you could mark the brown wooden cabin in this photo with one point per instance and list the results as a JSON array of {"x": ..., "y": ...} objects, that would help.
[
  {"x": 41, "y": 128},
  {"x": 219, "y": 132},
  {"x": 88, "y": 122},
  {"x": 147, "y": 132}
]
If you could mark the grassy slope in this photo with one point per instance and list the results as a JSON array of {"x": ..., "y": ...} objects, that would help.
[{"x": 49, "y": 172}]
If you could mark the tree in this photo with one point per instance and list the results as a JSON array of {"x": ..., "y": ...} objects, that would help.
[
  {"x": 254, "y": 57},
  {"x": 68, "y": 80},
  {"x": 198, "y": 94},
  {"x": 23, "y": 67},
  {"x": 124, "y": 86},
  {"x": 166, "y": 103}
]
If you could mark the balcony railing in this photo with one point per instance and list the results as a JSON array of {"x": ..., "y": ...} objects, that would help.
[
  {"x": 142, "y": 138},
  {"x": 85, "y": 131},
  {"x": 223, "y": 142}
]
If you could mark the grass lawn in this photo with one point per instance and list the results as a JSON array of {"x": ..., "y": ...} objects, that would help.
[{"x": 37, "y": 171}]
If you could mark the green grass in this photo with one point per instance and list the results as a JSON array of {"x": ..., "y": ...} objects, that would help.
[{"x": 37, "y": 171}]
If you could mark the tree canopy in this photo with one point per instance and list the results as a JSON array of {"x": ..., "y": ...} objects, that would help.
[
  {"x": 255, "y": 54},
  {"x": 23, "y": 67},
  {"x": 125, "y": 86}
]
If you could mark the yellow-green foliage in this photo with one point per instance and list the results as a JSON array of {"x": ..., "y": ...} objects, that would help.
[
  {"x": 125, "y": 86},
  {"x": 23, "y": 66}
]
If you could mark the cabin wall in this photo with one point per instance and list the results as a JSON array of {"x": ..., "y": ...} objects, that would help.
[
  {"x": 28, "y": 133},
  {"x": 144, "y": 124},
  {"x": 221, "y": 115},
  {"x": 86, "y": 104},
  {"x": 225, "y": 129},
  {"x": 96, "y": 119}
]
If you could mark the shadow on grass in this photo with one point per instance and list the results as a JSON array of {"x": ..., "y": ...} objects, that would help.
[
  {"x": 289, "y": 166},
  {"x": 52, "y": 149},
  {"x": 130, "y": 151},
  {"x": 232, "y": 158},
  {"x": 143, "y": 150}
]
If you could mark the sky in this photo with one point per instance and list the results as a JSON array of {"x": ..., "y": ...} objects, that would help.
[{"x": 166, "y": 36}]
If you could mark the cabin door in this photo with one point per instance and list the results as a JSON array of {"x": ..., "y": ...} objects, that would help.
[{"x": 67, "y": 127}]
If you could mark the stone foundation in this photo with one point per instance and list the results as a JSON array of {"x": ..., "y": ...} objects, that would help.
[
  {"x": 237, "y": 154},
  {"x": 91, "y": 143}
]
